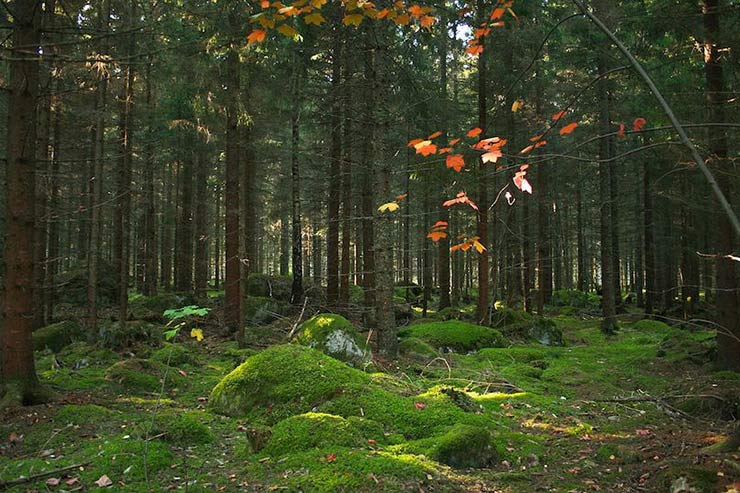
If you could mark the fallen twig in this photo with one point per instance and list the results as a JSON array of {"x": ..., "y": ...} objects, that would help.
[{"x": 35, "y": 477}]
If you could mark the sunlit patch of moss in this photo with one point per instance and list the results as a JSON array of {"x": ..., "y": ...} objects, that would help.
[
  {"x": 283, "y": 381},
  {"x": 414, "y": 347},
  {"x": 456, "y": 335},
  {"x": 183, "y": 428},
  {"x": 312, "y": 430},
  {"x": 334, "y": 335},
  {"x": 80, "y": 415},
  {"x": 334, "y": 469},
  {"x": 140, "y": 375},
  {"x": 146, "y": 402}
]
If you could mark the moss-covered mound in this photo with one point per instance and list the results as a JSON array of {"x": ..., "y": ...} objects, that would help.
[
  {"x": 260, "y": 310},
  {"x": 334, "y": 335},
  {"x": 465, "y": 446},
  {"x": 544, "y": 331},
  {"x": 414, "y": 347},
  {"x": 183, "y": 428},
  {"x": 503, "y": 316},
  {"x": 450, "y": 313},
  {"x": 138, "y": 374},
  {"x": 455, "y": 335},
  {"x": 56, "y": 336},
  {"x": 152, "y": 308},
  {"x": 312, "y": 430},
  {"x": 115, "y": 335},
  {"x": 264, "y": 286},
  {"x": 283, "y": 381}
]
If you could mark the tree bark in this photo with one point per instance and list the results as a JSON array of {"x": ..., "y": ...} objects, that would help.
[
  {"x": 335, "y": 168},
  {"x": 18, "y": 373},
  {"x": 482, "y": 313},
  {"x": 296, "y": 292}
]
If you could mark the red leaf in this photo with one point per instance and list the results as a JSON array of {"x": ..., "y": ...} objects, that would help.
[
  {"x": 568, "y": 129},
  {"x": 331, "y": 457},
  {"x": 420, "y": 405},
  {"x": 461, "y": 198},
  {"x": 557, "y": 116},
  {"x": 435, "y": 236},
  {"x": 638, "y": 124},
  {"x": 456, "y": 162},
  {"x": 372, "y": 442}
]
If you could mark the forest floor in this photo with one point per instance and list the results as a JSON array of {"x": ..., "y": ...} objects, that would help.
[{"x": 633, "y": 413}]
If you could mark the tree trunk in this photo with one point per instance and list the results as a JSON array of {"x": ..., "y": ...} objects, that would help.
[
  {"x": 18, "y": 373},
  {"x": 202, "y": 237},
  {"x": 296, "y": 292},
  {"x": 728, "y": 296},
  {"x": 232, "y": 299},
  {"x": 482, "y": 313},
  {"x": 335, "y": 168},
  {"x": 150, "y": 218},
  {"x": 443, "y": 244}
]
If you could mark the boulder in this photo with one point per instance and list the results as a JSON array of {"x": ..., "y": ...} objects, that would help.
[
  {"x": 56, "y": 336},
  {"x": 334, "y": 335}
]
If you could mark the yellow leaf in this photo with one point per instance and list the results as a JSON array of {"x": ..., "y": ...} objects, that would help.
[
  {"x": 517, "y": 104},
  {"x": 316, "y": 19},
  {"x": 287, "y": 30},
  {"x": 353, "y": 20},
  {"x": 197, "y": 334},
  {"x": 317, "y": 4},
  {"x": 390, "y": 207},
  {"x": 479, "y": 246}
]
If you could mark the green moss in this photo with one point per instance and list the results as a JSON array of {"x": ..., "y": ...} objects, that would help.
[
  {"x": 450, "y": 313},
  {"x": 282, "y": 381},
  {"x": 140, "y": 375},
  {"x": 545, "y": 331},
  {"x": 56, "y": 336},
  {"x": 455, "y": 335},
  {"x": 504, "y": 316},
  {"x": 80, "y": 415},
  {"x": 175, "y": 355},
  {"x": 510, "y": 355},
  {"x": 652, "y": 326},
  {"x": 183, "y": 428},
  {"x": 312, "y": 430},
  {"x": 416, "y": 348},
  {"x": 152, "y": 308},
  {"x": 337, "y": 469},
  {"x": 465, "y": 446},
  {"x": 117, "y": 336},
  {"x": 123, "y": 459},
  {"x": 334, "y": 335}
]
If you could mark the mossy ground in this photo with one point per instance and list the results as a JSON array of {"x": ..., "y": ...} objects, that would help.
[{"x": 550, "y": 413}]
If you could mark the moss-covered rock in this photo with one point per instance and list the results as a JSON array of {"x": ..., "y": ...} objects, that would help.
[
  {"x": 174, "y": 355},
  {"x": 260, "y": 310},
  {"x": 115, "y": 335},
  {"x": 56, "y": 336},
  {"x": 312, "y": 430},
  {"x": 544, "y": 331},
  {"x": 465, "y": 446},
  {"x": 414, "y": 347},
  {"x": 183, "y": 428},
  {"x": 503, "y": 316},
  {"x": 264, "y": 286},
  {"x": 652, "y": 326},
  {"x": 283, "y": 381},
  {"x": 139, "y": 374},
  {"x": 152, "y": 308},
  {"x": 455, "y": 335},
  {"x": 334, "y": 335}
]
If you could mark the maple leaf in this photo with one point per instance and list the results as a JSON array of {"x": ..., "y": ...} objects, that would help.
[
  {"x": 481, "y": 31},
  {"x": 568, "y": 129},
  {"x": 557, "y": 116},
  {"x": 540, "y": 144},
  {"x": 460, "y": 198},
  {"x": 434, "y": 135},
  {"x": 352, "y": 20},
  {"x": 427, "y": 21},
  {"x": 497, "y": 13},
  {"x": 491, "y": 157},
  {"x": 390, "y": 207},
  {"x": 315, "y": 18},
  {"x": 382, "y": 14},
  {"x": 456, "y": 162},
  {"x": 256, "y": 36},
  {"x": 474, "y": 50},
  {"x": 498, "y": 24},
  {"x": 620, "y": 133},
  {"x": 474, "y": 132},
  {"x": 435, "y": 236},
  {"x": 426, "y": 150},
  {"x": 444, "y": 150},
  {"x": 521, "y": 182},
  {"x": 289, "y": 11},
  {"x": 414, "y": 142},
  {"x": 402, "y": 19},
  {"x": 287, "y": 30},
  {"x": 524, "y": 167},
  {"x": 535, "y": 138},
  {"x": 478, "y": 245},
  {"x": 440, "y": 224},
  {"x": 638, "y": 124}
]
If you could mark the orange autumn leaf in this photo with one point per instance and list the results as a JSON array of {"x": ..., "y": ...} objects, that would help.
[
  {"x": 535, "y": 138},
  {"x": 497, "y": 13},
  {"x": 440, "y": 224},
  {"x": 444, "y": 150},
  {"x": 526, "y": 149},
  {"x": 265, "y": 4},
  {"x": 427, "y": 150},
  {"x": 315, "y": 18},
  {"x": 524, "y": 167},
  {"x": 382, "y": 14},
  {"x": 402, "y": 19},
  {"x": 568, "y": 129},
  {"x": 474, "y": 50},
  {"x": 456, "y": 162},
  {"x": 434, "y": 135},
  {"x": 256, "y": 36},
  {"x": 460, "y": 198},
  {"x": 421, "y": 143},
  {"x": 557, "y": 116},
  {"x": 638, "y": 124},
  {"x": 352, "y": 20},
  {"x": 474, "y": 132},
  {"x": 540, "y": 144},
  {"x": 402, "y": 196},
  {"x": 453, "y": 142},
  {"x": 412, "y": 143},
  {"x": 435, "y": 236},
  {"x": 491, "y": 157}
]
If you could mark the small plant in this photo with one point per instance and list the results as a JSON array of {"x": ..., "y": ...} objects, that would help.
[{"x": 179, "y": 318}]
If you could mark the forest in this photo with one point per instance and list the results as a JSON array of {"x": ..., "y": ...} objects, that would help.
[{"x": 355, "y": 246}]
